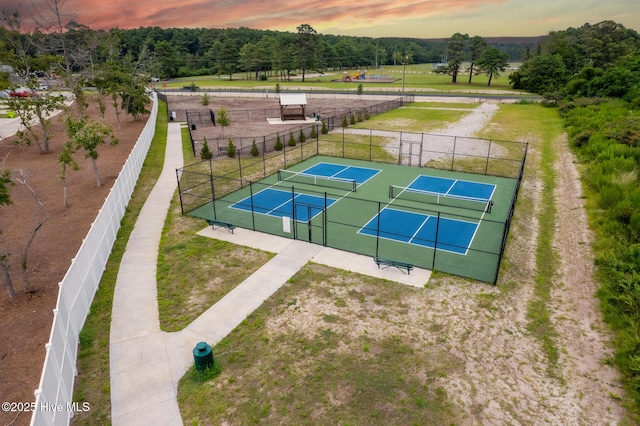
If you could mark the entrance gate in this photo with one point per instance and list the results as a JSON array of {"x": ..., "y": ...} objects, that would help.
[{"x": 312, "y": 227}]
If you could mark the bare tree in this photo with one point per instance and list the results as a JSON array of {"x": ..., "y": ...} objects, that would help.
[
  {"x": 22, "y": 178},
  {"x": 19, "y": 43},
  {"x": 5, "y": 181},
  {"x": 73, "y": 43}
]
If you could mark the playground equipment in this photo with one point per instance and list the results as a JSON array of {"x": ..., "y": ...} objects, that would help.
[{"x": 358, "y": 76}]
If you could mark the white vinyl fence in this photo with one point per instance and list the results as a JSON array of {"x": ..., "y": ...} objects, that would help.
[{"x": 53, "y": 403}]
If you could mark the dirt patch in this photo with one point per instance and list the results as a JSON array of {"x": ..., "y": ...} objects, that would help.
[
  {"x": 576, "y": 311},
  {"x": 248, "y": 117},
  {"x": 25, "y": 321}
]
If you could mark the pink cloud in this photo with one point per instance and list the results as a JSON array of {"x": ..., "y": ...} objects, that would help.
[
  {"x": 259, "y": 14},
  {"x": 400, "y": 18}
]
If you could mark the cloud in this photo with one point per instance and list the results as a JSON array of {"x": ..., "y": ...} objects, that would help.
[{"x": 400, "y": 18}]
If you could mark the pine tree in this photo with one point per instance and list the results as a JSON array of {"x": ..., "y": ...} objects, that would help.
[
  {"x": 205, "y": 152},
  {"x": 292, "y": 140},
  {"x": 231, "y": 149},
  {"x": 324, "y": 129},
  {"x": 302, "y": 137},
  {"x": 278, "y": 146},
  {"x": 254, "y": 149}
]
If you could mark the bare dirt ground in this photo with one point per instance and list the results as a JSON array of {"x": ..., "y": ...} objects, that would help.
[
  {"x": 504, "y": 377},
  {"x": 25, "y": 321},
  {"x": 248, "y": 117}
]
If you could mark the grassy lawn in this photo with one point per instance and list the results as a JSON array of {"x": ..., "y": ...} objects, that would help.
[
  {"x": 195, "y": 272},
  {"x": 332, "y": 347},
  {"x": 414, "y": 118},
  {"x": 328, "y": 348},
  {"x": 417, "y": 77},
  {"x": 511, "y": 121},
  {"x": 93, "y": 381}
]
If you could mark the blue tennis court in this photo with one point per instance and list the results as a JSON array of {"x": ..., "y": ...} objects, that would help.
[
  {"x": 414, "y": 228},
  {"x": 469, "y": 190},
  {"x": 273, "y": 202},
  {"x": 341, "y": 171}
]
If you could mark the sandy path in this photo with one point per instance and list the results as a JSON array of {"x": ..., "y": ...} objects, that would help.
[{"x": 470, "y": 124}]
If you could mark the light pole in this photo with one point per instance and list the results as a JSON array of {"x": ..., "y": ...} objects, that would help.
[{"x": 404, "y": 69}]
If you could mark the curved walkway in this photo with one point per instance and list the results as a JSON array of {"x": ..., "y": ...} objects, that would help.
[{"x": 146, "y": 363}]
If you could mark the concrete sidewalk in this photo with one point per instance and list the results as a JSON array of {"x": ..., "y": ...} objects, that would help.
[{"x": 146, "y": 364}]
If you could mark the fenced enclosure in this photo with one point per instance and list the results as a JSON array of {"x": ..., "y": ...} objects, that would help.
[
  {"x": 207, "y": 189},
  {"x": 204, "y": 123}
]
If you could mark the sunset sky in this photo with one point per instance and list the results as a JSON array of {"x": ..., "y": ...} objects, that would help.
[{"x": 373, "y": 18}]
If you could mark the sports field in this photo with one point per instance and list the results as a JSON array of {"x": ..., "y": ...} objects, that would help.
[{"x": 449, "y": 221}]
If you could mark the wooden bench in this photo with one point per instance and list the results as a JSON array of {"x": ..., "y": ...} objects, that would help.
[
  {"x": 216, "y": 223},
  {"x": 402, "y": 266}
]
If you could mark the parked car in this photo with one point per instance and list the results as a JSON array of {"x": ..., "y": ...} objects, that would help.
[{"x": 22, "y": 92}]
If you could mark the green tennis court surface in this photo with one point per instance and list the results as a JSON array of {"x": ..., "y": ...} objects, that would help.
[{"x": 449, "y": 221}]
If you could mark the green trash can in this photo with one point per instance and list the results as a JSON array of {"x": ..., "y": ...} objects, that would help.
[{"x": 202, "y": 356}]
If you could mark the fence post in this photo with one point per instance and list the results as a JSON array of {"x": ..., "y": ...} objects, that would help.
[
  {"x": 213, "y": 195},
  {"x": 239, "y": 167},
  {"x": 400, "y": 149},
  {"x": 284, "y": 154},
  {"x": 253, "y": 214},
  {"x": 421, "y": 147},
  {"x": 486, "y": 167},
  {"x": 264, "y": 160},
  {"x": 179, "y": 192},
  {"x": 453, "y": 154},
  {"x": 378, "y": 229},
  {"x": 435, "y": 243}
]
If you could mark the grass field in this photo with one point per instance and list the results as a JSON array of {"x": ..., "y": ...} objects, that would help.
[
  {"x": 417, "y": 77},
  {"x": 332, "y": 347}
]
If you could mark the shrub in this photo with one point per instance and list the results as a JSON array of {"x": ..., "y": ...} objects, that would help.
[
  {"x": 366, "y": 114},
  {"x": 254, "y": 149},
  {"x": 360, "y": 89},
  {"x": 231, "y": 149},
  {"x": 302, "y": 137},
  {"x": 324, "y": 129},
  {"x": 205, "y": 99},
  {"x": 277, "y": 87},
  {"x": 292, "y": 140},
  {"x": 345, "y": 123},
  {"x": 278, "y": 146},
  {"x": 205, "y": 152},
  {"x": 359, "y": 116},
  {"x": 314, "y": 132},
  {"x": 353, "y": 119},
  {"x": 223, "y": 118}
]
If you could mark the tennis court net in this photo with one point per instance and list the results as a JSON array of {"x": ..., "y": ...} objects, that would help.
[
  {"x": 468, "y": 203},
  {"x": 328, "y": 181}
]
